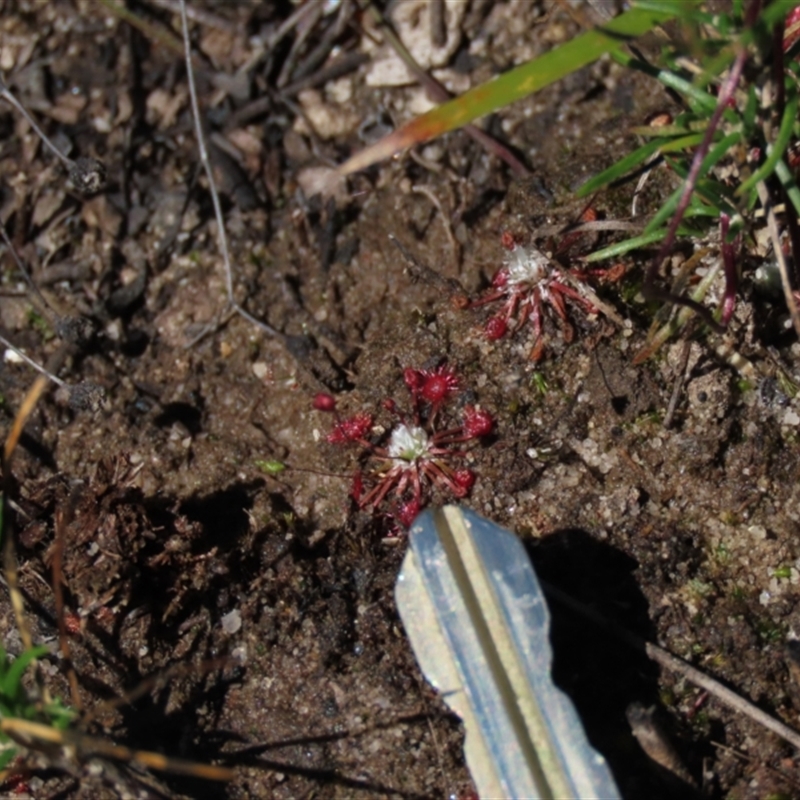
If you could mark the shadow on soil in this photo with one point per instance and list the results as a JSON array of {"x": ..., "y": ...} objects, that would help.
[{"x": 602, "y": 675}]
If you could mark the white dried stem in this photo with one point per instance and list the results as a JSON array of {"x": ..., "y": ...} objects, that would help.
[{"x": 222, "y": 237}]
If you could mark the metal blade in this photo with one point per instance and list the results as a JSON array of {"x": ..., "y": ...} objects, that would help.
[{"x": 479, "y": 627}]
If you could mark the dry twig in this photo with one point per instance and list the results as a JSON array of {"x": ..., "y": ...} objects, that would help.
[
  {"x": 675, "y": 664},
  {"x": 222, "y": 237}
]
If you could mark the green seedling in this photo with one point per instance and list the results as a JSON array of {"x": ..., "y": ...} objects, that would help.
[
  {"x": 539, "y": 382},
  {"x": 783, "y": 572},
  {"x": 271, "y": 467},
  {"x": 16, "y": 704}
]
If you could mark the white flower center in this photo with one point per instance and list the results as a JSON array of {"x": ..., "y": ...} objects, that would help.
[
  {"x": 408, "y": 443},
  {"x": 526, "y": 266}
]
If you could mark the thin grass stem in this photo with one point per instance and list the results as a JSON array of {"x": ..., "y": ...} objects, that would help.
[
  {"x": 38, "y": 367},
  {"x": 11, "y": 100},
  {"x": 222, "y": 236}
]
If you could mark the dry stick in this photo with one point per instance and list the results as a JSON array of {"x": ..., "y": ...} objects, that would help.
[
  {"x": 207, "y": 18},
  {"x": 589, "y": 227},
  {"x": 448, "y": 228},
  {"x": 680, "y": 377},
  {"x": 320, "y": 52},
  {"x": 81, "y": 396},
  {"x": 22, "y": 730},
  {"x": 304, "y": 31},
  {"x": 675, "y": 664},
  {"x": 11, "y": 100},
  {"x": 152, "y": 32},
  {"x": 438, "y": 23},
  {"x": 335, "y": 69},
  {"x": 26, "y": 409},
  {"x": 9, "y": 555},
  {"x": 25, "y": 732},
  {"x": 87, "y": 175},
  {"x": 38, "y": 367},
  {"x": 74, "y": 330},
  {"x": 750, "y": 761},
  {"x": 154, "y": 681},
  {"x": 775, "y": 236},
  {"x": 64, "y": 516},
  {"x": 662, "y": 326},
  {"x": 439, "y": 94},
  {"x": 222, "y": 237},
  {"x": 728, "y": 251},
  {"x": 655, "y": 160},
  {"x": 295, "y": 19},
  {"x": 21, "y": 267}
]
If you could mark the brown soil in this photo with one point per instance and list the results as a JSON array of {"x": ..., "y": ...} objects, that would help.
[{"x": 173, "y": 534}]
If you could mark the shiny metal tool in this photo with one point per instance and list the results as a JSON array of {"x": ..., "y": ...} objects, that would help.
[{"x": 479, "y": 627}]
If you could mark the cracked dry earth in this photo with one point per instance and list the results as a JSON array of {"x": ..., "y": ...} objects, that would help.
[{"x": 180, "y": 549}]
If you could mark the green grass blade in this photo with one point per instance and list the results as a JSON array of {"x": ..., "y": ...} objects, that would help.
[
  {"x": 620, "y": 248},
  {"x": 11, "y": 680},
  {"x": 634, "y": 243},
  {"x": 703, "y": 100},
  {"x": 662, "y": 6},
  {"x": 768, "y": 16},
  {"x": 639, "y": 156},
  {"x": 7, "y": 755},
  {"x": 717, "y": 194},
  {"x": 749, "y": 117},
  {"x": 621, "y": 168},
  {"x": 59, "y": 715},
  {"x": 789, "y": 184},
  {"x": 711, "y": 191},
  {"x": 516, "y": 84},
  {"x": 670, "y": 130},
  {"x": 776, "y": 151},
  {"x": 683, "y": 142},
  {"x": 720, "y": 150}
]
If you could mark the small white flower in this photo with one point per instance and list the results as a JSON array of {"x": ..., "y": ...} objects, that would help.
[
  {"x": 526, "y": 265},
  {"x": 408, "y": 443}
]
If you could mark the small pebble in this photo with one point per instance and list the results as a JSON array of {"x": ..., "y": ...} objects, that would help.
[{"x": 232, "y": 621}]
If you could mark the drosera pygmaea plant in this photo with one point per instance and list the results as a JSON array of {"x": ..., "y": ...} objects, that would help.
[
  {"x": 403, "y": 465},
  {"x": 87, "y": 176},
  {"x": 734, "y": 70},
  {"x": 530, "y": 281}
]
